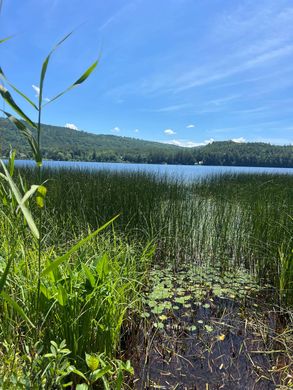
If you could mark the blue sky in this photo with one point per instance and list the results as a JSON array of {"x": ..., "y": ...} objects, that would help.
[{"x": 179, "y": 71}]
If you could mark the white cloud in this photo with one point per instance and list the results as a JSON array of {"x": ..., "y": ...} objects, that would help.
[
  {"x": 169, "y": 132},
  {"x": 136, "y": 130},
  {"x": 239, "y": 140},
  {"x": 116, "y": 129},
  {"x": 71, "y": 126},
  {"x": 36, "y": 89},
  {"x": 190, "y": 126},
  {"x": 188, "y": 143}
]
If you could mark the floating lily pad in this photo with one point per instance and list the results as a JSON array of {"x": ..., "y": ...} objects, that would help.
[{"x": 208, "y": 328}]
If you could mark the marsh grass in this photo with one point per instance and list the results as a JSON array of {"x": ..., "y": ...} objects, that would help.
[
  {"x": 231, "y": 220},
  {"x": 223, "y": 222}
]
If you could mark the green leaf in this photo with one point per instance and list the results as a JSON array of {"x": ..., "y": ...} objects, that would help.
[
  {"x": 79, "y": 373},
  {"x": 11, "y": 162},
  {"x": 17, "y": 308},
  {"x": 99, "y": 373},
  {"x": 5, "y": 39},
  {"x": 89, "y": 275},
  {"x": 9, "y": 100},
  {"x": 92, "y": 361},
  {"x": 81, "y": 79},
  {"x": 5, "y": 273},
  {"x": 28, "y": 135},
  {"x": 106, "y": 383},
  {"x": 29, "y": 193},
  {"x": 65, "y": 257},
  {"x": 2, "y": 75},
  {"x": 45, "y": 66},
  {"x": 82, "y": 386},
  {"x": 27, "y": 214},
  {"x": 208, "y": 328},
  {"x": 42, "y": 191}
]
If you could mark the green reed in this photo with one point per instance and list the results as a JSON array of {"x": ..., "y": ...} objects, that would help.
[{"x": 230, "y": 219}]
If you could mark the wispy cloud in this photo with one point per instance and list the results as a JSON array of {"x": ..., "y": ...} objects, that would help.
[
  {"x": 169, "y": 132},
  {"x": 136, "y": 130},
  {"x": 175, "y": 107},
  {"x": 37, "y": 90},
  {"x": 190, "y": 126},
  {"x": 117, "y": 15},
  {"x": 116, "y": 129}
]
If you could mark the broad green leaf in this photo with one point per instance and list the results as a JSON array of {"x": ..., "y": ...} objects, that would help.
[
  {"x": 100, "y": 373},
  {"x": 2, "y": 75},
  {"x": 66, "y": 256},
  {"x": 62, "y": 296},
  {"x": 79, "y": 373},
  {"x": 28, "y": 135},
  {"x": 40, "y": 201},
  {"x": 41, "y": 196},
  {"x": 89, "y": 274},
  {"x": 102, "y": 267},
  {"x": 27, "y": 214},
  {"x": 82, "y": 386},
  {"x": 42, "y": 190},
  {"x": 45, "y": 66},
  {"x": 9, "y": 100},
  {"x": 92, "y": 361},
  {"x": 17, "y": 308},
  {"x": 85, "y": 75}
]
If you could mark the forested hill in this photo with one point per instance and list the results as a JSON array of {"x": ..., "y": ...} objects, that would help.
[{"x": 61, "y": 143}]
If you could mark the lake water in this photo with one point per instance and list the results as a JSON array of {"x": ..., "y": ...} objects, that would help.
[{"x": 187, "y": 172}]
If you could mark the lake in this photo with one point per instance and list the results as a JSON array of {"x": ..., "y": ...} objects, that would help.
[{"x": 186, "y": 172}]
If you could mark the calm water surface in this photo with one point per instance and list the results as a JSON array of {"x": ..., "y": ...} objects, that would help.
[{"x": 179, "y": 171}]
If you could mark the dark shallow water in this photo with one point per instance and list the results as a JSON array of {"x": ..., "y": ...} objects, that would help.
[{"x": 181, "y": 171}]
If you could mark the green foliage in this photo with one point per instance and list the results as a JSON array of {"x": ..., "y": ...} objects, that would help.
[
  {"x": 54, "y": 370},
  {"x": 61, "y": 143},
  {"x": 79, "y": 297}
]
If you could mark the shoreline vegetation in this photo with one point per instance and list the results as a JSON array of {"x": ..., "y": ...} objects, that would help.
[
  {"x": 61, "y": 143},
  {"x": 189, "y": 265},
  {"x": 130, "y": 280}
]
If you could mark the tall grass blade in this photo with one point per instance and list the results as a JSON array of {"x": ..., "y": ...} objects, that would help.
[
  {"x": 11, "y": 160},
  {"x": 84, "y": 76},
  {"x": 17, "y": 308},
  {"x": 9, "y": 100},
  {"x": 29, "y": 193},
  {"x": 65, "y": 257},
  {"x": 5, "y": 273},
  {"x": 2, "y": 75},
  {"x": 18, "y": 197},
  {"x": 5, "y": 39},
  {"x": 28, "y": 135},
  {"x": 45, "y": 66}
]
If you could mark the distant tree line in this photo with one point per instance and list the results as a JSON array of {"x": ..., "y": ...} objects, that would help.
[{"x": 60, "y": 143}]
